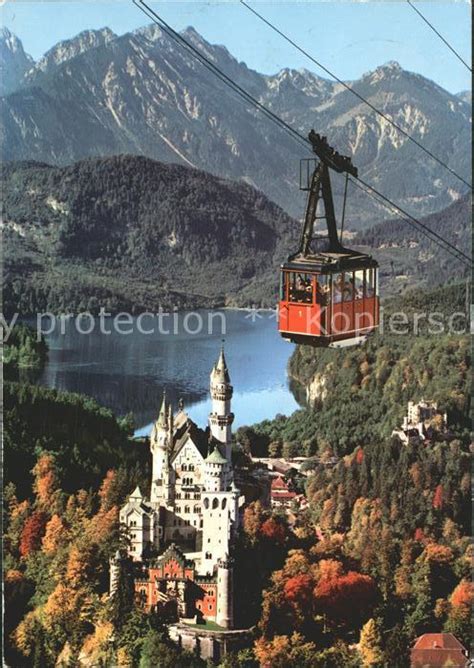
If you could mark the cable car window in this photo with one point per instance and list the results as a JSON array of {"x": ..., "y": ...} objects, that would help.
[
  {"x": 323, "y": 289},
  {"x": 348, "y": 292},
  {"x": 301, "y": 288},
  {"x": 359, "y": 284},
  {"x": 369, "y": 283},
  {"x": 343, "y": 287},
  {"x": 283, "y": 282},
  {"x": 337, "y": 288}
]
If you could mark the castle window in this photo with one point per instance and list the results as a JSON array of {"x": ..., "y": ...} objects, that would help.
[
  {"x": 196, "y": 496},
  {"x": 210, "y": 606},
  {"x": 184, "y": 467},
  {"x": 215, "y": 503},
  {"x": 206, "y": 503},
  {"x": 186, "y": 509},
  {"x": 178, "y": 495},
  {"x": 197, "y": 509},
  {"x": 187, "y": 495},
  {"x": 224, "y": 503},
  {"x": 200, "y": 524},
  {"x": 191, "y": 467}
]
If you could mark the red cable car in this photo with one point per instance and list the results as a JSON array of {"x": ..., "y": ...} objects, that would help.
[{"x": 328, "y": 293}]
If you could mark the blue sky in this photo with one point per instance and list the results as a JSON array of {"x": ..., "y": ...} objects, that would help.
[{"x": 350, "y": 38}]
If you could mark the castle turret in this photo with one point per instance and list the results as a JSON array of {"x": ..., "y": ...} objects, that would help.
[
  {"x": 160, "y": 442},
  {"x": 216, "y": 472},
  {"x": 115, "y": 565},
  {"x": 221, "y": 416},
  {"x": 225, "y": 594}
]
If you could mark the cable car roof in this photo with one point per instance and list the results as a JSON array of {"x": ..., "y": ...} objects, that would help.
[{"x": 330, "y": 262}]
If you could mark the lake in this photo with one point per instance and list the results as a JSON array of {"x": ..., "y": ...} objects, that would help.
[{"x": 128, "y": 372}]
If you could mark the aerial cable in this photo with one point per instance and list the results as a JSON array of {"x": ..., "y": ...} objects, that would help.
[
  {"x": 358, "y": 95},
  {"x": 417, "y": 225},
  {"x": 218, "y": 72},
  {"x": 297, "y": 136},
  {"x": 439, "y": 35}
]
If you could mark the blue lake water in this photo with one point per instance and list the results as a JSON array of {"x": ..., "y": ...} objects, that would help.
[{"x": 128, "y": 372}]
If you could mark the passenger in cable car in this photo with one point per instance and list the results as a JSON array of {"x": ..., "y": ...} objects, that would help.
[{"x": 322, "y": 290}]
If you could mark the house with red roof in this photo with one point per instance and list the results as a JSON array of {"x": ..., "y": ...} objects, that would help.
[
  {"x": 438, "y": 650},
  {"x": 280, "y": 493}
]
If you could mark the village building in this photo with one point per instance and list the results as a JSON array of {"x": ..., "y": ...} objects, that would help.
[
  {"x": 281, "y": 494},
  {"x": 438, "y": 650}
]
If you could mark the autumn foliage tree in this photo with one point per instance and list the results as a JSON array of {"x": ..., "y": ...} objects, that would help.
[
  {"x": 346, "y": 599},
  {"x": 45, "y": 483},
  {"x": 32, "y": 534},
  {"x": 370, "y": 646},
  {"x": 274, "y": 531}
]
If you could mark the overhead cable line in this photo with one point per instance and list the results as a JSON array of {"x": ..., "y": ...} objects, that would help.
[
  {"x": 358, "y": 95},
  {"x": 439, "y": 35},
  {"x": 215, "y": 70},
  {"x": 413, "y": 222},
  {"x": 297, "y": 136}
]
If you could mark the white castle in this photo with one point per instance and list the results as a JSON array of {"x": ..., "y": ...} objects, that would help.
[{"x": 192, "y": 514}]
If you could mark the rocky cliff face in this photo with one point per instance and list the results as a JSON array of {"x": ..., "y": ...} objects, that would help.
[
  {"x": 14, "y": 62},
  {"x": 99, "y": 94}
]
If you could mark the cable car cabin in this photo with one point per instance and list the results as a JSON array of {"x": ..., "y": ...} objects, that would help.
[
  {"x": 328, "y": 293},
  {"x": 329, "y": 301}
]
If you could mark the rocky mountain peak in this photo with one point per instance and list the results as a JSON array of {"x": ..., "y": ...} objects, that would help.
[
  {"x": 14, "y": 62},
  {"x": 70, "y": 48},
  {"x": 9, "y": 40}
]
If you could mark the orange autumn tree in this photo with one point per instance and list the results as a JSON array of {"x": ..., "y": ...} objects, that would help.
[
  {"x": 285, "y": 651},
  {"x": 459, "y": 616},
  {"x": 45, "y": 483},
  {"x": 348, "y": 599},
  {"x": 55, "y": 535},
  {"x": 462, "y": 597},
  {"x": 438, "y": 498},
  {"x": 32, "y": 533},
  {"x": 274, "y": 531},
  {"x": 254, "y": 517},
  {"x": 299, "y": 589}
]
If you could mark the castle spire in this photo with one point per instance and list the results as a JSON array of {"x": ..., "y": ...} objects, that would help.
[
  {"x": 220, "y": 370},
  {"x": 163, "y": 414},
  {"x": 221, "y": 416}
]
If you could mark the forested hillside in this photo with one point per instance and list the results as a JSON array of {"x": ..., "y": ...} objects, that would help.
[
  {"x": 131, "y": 233},
  {"x": 360, "y": 394},
  {"x": 386, "y": 547},
  {"x": 408, "y": 257}
]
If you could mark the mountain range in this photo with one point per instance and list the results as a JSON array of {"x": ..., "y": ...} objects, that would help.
[{"x": 99, "y": 94}]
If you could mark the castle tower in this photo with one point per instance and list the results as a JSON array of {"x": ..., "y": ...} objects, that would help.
[
  {"x": 216, "y": 472},
  {"x": 115, "y": 565},
  {"x": 225, "y": 593},
  {"x": 221, "y": 416},
  {"x": 160, "y": 443},
  {"x": 168, "y": 473},
  {"x": 220, "y": 503}
]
